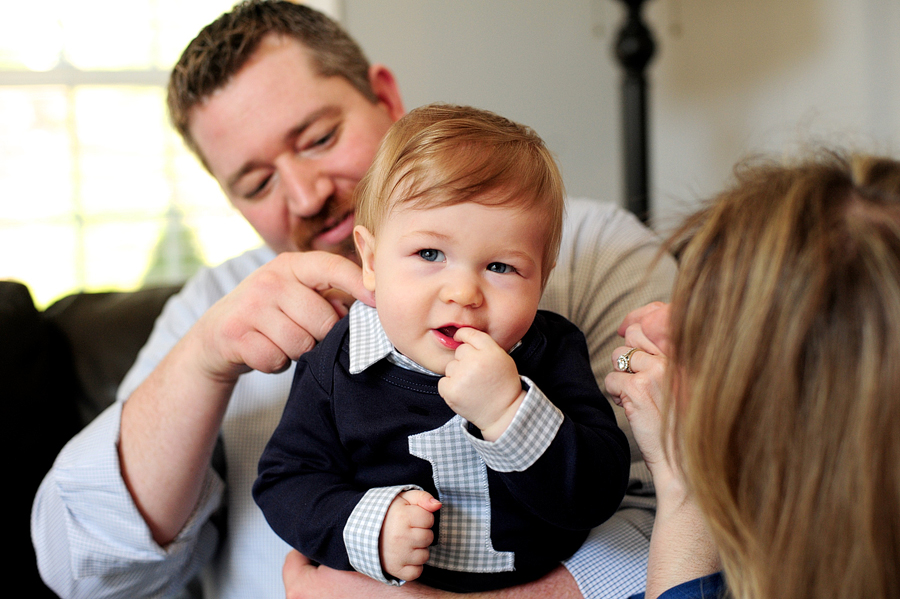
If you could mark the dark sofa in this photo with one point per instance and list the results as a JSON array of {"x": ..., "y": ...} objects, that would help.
[{"x": 60, "y": 368}]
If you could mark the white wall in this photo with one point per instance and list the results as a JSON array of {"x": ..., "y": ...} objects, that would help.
[
  {"x": 730, "y": 77},
  {"x": 537, "y": 65},
  {"x": 769, "y": 76}
]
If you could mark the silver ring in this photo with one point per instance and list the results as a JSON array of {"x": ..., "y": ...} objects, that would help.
[{"x": 624, "y": 361}]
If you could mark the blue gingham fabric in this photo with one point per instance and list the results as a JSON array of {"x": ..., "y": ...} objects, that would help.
[{"x": 361, "y": 532}]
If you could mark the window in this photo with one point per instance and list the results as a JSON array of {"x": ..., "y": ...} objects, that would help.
[{"x": 98, "y": 191}]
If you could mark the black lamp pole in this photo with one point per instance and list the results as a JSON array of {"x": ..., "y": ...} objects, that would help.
[{"x": 634, "y": 49}]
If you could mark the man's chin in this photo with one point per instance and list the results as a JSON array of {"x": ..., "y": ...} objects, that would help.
[{"x": 346, "y": 249}]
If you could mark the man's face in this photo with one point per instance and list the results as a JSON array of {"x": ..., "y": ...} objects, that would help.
[
  {"x": 288, "y": 146},
  {"x": 435, "y": 270}
]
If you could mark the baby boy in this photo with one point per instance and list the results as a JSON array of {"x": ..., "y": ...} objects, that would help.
[{"x": 454, "y": 433}]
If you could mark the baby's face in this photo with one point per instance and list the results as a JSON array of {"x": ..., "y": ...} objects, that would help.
[{"x": 435, "y": 270}]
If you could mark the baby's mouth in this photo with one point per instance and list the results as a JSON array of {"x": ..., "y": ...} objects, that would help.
[
  {"x": 449, "y": 331},
  {"x": 445, "y": 334}
]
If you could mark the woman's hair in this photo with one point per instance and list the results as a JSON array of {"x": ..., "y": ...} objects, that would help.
[
  {"x": 442, "y": 154},
  {"x": 786, "y": 378}
]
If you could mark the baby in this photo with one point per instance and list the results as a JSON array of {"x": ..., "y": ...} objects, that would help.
[{"x": 454, "y": 434}]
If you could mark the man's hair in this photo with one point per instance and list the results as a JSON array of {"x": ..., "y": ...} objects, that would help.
[
  {"x": 786, "y": 369},
  {"x": 224, "y": 46},
  {"x": 441, "y": 155}
]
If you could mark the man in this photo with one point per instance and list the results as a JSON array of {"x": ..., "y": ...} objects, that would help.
[{"x": 286, "y": 114}]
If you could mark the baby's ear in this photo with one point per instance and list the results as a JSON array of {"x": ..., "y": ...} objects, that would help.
[{"x": 365, "y": 249}]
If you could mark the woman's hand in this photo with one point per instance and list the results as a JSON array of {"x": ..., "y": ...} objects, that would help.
[
  {"x": 641, "y": 395},
  {"x": 680, "y": 547},
  {"x": 642, "y": 391},
  {"x": 651, "y": 322}
]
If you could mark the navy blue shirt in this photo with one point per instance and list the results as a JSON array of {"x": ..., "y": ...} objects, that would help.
[{"x": 342, "y": 434}]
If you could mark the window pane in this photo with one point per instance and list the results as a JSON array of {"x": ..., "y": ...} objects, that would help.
[
  {"x": 195, "y": 189},
  {"x": 35, "y": 153},
  {"x": 117, "y": 255},
  {"x": 121, "y": 137},
  {"x": 183, "y": 21},
  {"x": 31, "y": 37},
  {"x": 42, "y": 255},
  {"x": 99, "y": 191},
  {"x": 223, "y": 236},
  {"x": 109, "y": 34}
]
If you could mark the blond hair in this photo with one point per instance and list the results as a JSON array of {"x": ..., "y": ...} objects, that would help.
[
  {"x": 441, "y": 155},
  {"x": 786, "y": 353},
  {"x": 224, "y": 46}
]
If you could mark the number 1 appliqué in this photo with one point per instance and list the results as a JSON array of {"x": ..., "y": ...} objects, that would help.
[{"x": 463, "y": 539}]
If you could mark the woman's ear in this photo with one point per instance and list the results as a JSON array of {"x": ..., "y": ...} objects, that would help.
[{"x": 365, "y": 248}]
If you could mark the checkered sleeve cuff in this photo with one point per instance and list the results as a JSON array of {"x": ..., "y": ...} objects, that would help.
[
  {"x": 363, "y": 529},
  {"x": 103, "y": 524},
  {"x": 528, "y": 436}
]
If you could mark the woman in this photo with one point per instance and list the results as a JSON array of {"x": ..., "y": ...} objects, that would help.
[{"x": 784, "y": 371}]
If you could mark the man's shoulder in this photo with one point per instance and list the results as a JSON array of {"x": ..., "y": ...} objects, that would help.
[
  {"x": 592, "y": 205},
  {"x": 213, "y": 282},
  {"x": 242, "y": 265},
  {"x": 599, "y": 219},
  {"x": 595, "y": 211},
  {"x": 604, "y": 244}
]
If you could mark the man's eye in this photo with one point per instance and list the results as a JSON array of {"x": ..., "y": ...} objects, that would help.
[
  {"x": 432, "y": 255},
  {"x": 256, "y": 191},
  {"x": 324, "y": 139},
  {"x": 500, "y": 267}
]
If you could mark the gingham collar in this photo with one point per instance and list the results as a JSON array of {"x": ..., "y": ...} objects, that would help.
[{"x": 369, "y": 343}]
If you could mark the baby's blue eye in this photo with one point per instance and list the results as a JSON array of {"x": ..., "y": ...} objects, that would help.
[
  {"x": 432, "y": 255},
  {"x": 500, "y": 267}
]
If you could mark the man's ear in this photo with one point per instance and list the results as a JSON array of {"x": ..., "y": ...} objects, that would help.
[
  {"x": 385, "y": 87},
  {"x": 365, "y": 249}
]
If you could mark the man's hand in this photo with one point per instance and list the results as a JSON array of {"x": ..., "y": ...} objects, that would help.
[
  {"x": 482, "y": 383},
  {"x": 171, "y": 421},
  {"x": 304, "y": 580},
  {"x": 277, "y": 313},
  {"x": 406, "y": 534}
]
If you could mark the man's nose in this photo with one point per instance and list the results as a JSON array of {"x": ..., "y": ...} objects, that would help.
[
  {"x": 462, "y": 288},
  {"x": 306, "y": 187}
]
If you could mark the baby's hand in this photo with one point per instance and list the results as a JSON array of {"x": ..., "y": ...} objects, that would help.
[
  {"x": 406, "y": 534},
  {"x": 482, "y": 384}
]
